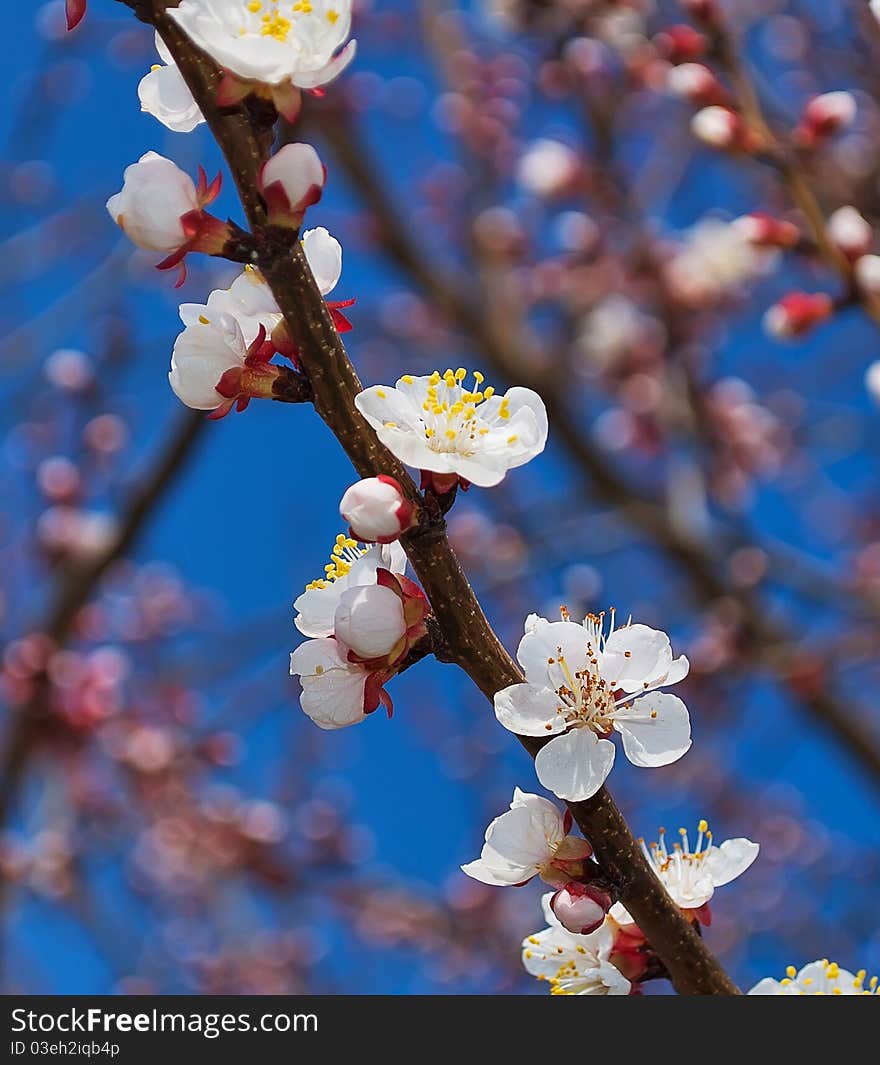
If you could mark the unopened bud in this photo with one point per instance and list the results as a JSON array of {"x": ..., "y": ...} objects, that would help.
[
  {"x": 376, "y": 510},
  {"x": 765, "y": 231},
  {"x": 850, "y": 232},
  {"x": 823, "y": 116},
  {"x": 680, "y": 44},
  {"x": 797, "y": 313},
  {"x": 722, "y": 128},
  {"x": 290, "y": 181},
  {"x": 867, "y": 272},
  {"x": 580, "y": 908},
  {"x": 696, "y": 83}
]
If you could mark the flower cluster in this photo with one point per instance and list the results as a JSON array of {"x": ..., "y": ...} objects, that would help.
[{"x": 592, "y": 945}]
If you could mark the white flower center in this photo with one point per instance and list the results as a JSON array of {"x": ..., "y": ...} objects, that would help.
[
  {"x": 586, "y": 698},
  {"x": 343, "y": 556},
  {"x": 272, "y": 18},
  {"x": 452, "y": 419},
  {"x": 682, "y": 869}
]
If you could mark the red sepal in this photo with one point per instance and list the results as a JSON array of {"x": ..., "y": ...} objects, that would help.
[
  {"x": 74, "y": 9},
  {"x": 232, "y": 90}
]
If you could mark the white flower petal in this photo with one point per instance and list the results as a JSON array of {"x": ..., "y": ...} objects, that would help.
[
  {"x": 654, "y": 741},
  {"x": 543, "y": 640},
  {"x": 324, "y": 255},
  {"x": 528, "y": 710},
  {"x": 332, "y": 689},
  {"x": 575, "y": 765},
  {"x": 730, "y": 860},
  {"x": 637, "y": 657}
]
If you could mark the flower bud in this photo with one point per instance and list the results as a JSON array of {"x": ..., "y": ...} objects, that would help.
[
  {"x": 696, "y": 83},
  {"x": 548, "y": 168},
  {"x": 376, "y": 510},
  {"x": 290, "y": 181},
  {"x": 823, "y": 116},
  {"x": 867, "y": 273},
  {"x": 765, "y": 231},
  {"x": 797, "y": 313},
  {"x": 580, "y": 908},
  {"x": 369, "y": 621},
  {"x": 850, "y": 232},
  {"x": 721, "y": 128},
  {"x": 680, "y": 44}
]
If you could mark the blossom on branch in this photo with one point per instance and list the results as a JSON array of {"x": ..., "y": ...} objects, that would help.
[
  {"x": 580, "y": 908},
  {"x": 797, "y": 313},
  {"x": 350, "y": 566},
  {"x": 269, "y": 47},
  {"x": 213, "y": 368},
  {"x": 454, "y": 434},
  {"x": 250, "y": 301},
  {"x": 376, "y": 510},
  {"x": 818, "y": 978},
  {"x": 691, "y": 876},
  {"x": 580, "y": 686},
  {"x": 530, "y": 839},
  {"x": 160, "y": 209},
  {"x": 573, "y": 964},
  {"x": 165, "y": 95},
  {"x": 823, "y": 116}
]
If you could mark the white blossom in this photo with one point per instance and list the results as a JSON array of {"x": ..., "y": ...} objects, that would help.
[
  {"x": 211, "y": 344},
  {"x": 166, "y": 96},
  {"x": 324, "y": 255},
  {"x": 270, "y": 41},
  {"x": 155, "y": 195},
  {"x": 691, "y": 876},
  {"x": 818, "y": 978},
  {"x": 350, "y": 566},
  {"x": 434, "y": 423},
  {"x": 580, "y": 685},
  {"x": 523, "y": 842},
  {"x": 573, "y": 964}
]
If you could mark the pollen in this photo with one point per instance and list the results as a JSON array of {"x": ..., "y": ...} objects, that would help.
[
  {"x": 275, "y": 25},
  {"x": 344, "y": 554},
  {"x": 332, "y": 17},
  {"x": 204, "y": 320}
]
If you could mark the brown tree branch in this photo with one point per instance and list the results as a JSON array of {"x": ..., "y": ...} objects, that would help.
[{"x": 474, "y": 644}]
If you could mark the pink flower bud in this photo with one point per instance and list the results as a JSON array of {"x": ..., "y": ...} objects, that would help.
[
  {"x": 696, "y": 83},
  {"x": 825, "y": 115},
  {"x": 376, "y": 510},
  {"x": 581, "y": 908},
  {"x": 680, "y": 44},
  {"x": 765, "y": 231},
  {"x": 797, "y": 313},
  {"x": 850, "y": 232},
  {"x": 290, "y": 181},
  {"x": 721, "y": 128},
  {"x": 867, "y": 272},
  {"x": 369, "y": 621}
]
